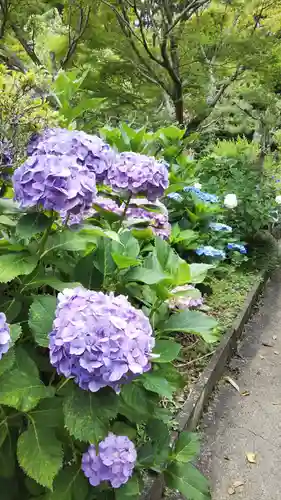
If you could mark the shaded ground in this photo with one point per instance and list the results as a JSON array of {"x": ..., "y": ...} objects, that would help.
[{"x": 235, "y": 425}]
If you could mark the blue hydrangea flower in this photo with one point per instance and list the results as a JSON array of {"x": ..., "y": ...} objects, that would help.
[
  {"x": 89, "y": 150},
  {"x": 99, "y": 339},
  {"x": 5, "y": 337},
  {"x": 56, "y": 183},
  {"x": 210, "y": 251},
  {"x": 217, "y": 226},
  {"x": 237, "y": 247},
  {"x": 175, "y": 196},
  {"x": 114, "y": 461},
  {"x": 203, "y": 196},
  {"x": 138, "y": 174}
]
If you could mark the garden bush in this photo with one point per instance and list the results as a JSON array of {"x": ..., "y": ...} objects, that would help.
[{"x": 92, "y": 296}]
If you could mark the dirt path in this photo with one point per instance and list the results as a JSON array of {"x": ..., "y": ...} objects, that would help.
[{"x": 237, "y": 424}]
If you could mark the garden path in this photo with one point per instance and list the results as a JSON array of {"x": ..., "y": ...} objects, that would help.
[{"x": 249, "y": 421}]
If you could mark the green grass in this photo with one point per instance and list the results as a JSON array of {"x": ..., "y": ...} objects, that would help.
[{"x": 229, "y": 294}]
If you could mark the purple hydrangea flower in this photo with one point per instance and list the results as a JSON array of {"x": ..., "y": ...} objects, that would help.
[
  {"x": 210, "y": 251},
  {"x": 138, "y": 174},
  {"x": 158, "y": 221},
  {"x": 56, "y": 183},
  {"x": 108, "y": 204},
  {"x": 206, "y": 197},
  {"x": 185, "y": 301},
  {"x": 217, "y": 226},
  {"x": 114, "y": 461},
  {"x": 89, "y": 150},
  {"x": 6, "y": 159},
  {"x": 103, "y": 202},
  {"x": 99, "y": 339},
  {"x": 237, "y": 247},
  {"x": 5, "y": 337}
]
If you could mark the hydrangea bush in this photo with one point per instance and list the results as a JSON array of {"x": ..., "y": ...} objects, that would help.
[{"x": 94, "y": 293}]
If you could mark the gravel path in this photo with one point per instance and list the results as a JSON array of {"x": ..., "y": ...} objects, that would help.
[{"x": 249, "y": 421}]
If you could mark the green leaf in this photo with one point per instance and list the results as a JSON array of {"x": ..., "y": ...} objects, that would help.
[
  {"x": 123, "y": 262},
  {"x": 88, "y": 274},
  {"x": 66, "y": 240},
  {"x": 32, "y": 223},
  {"x": 102, "y": 258},
  {"x": 147, "y": 276},
  {"x": 87, "y": 415},
  {"x": 16, "y": 264},
  {"x": 70, "y": 484},
  {"x": 122, "y": 429},
  {"x": 21, "y": 387},
  {"x": 130, "y": 490},
  {"x": 182, "y": 274},
  {"x": 92, "y": 233},
  {"x": 53, "y": 282},
  {"x": 41, "y": 317},
  {"x": 7, "y": 361},
  {"x": 8, "y": 458},
  {"x": 40, "y": 454},
  {"x": 191, "y": 322},
  {"x": 135, "y": 397},
  {"x": 199, "y": 272},
  {"x": 169, "y": 372},
  {"x": 9, "y": 206},
  {"x": 188, "y": 481},
  {"x": 167, "y": 349},
  {"x": 155, "y": 383},
  {"x": 15, "y": 332},
  {"x": 187, "y": 447},
  {"x": 48, "y": 413},
  {"x": 166, "y": 256},
  {"x": 10, "y": 307},
  {"x": 6, "y": 221}
]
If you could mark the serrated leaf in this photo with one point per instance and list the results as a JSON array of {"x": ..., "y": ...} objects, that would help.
[
  {"x": 70, "y": 484},
  {"x": 40, "y": 454},
  {"x": 167, "y": 350},
  {"x": 122, "y": 429},
  {"x": 188, "y": 480},
  {"x": 15, "y": 332},
  {"x": 87, "y": 415},
  {"x": 187, "y": 447},
  {"x": 191, "y": 322},
  {"x": 10, "y": 307},
  {"x": 41, "y": 317},
  {"x": 32, "y": 223},
  {"x": 135, "y": 397},
  {"x": 16, "y": 264},
  {"x": 7, "y": 361},
  {"x": 48, "y": 413},
  {"x": 155, "y": 383},
  {"x": 21, "y": 387}
]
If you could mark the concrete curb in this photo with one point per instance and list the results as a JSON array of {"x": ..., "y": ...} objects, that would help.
[{"x": 191, "y": 412}]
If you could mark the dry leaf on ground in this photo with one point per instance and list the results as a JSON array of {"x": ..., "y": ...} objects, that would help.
[
  {"x": 237, "y": 484},
  {"x": 231, "y": 491},
  {"x": 232, "y": 382},
  {"x": 251, "y": 457}
]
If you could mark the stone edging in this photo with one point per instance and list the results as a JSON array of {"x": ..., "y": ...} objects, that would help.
[{"x": 189, "y": 416}]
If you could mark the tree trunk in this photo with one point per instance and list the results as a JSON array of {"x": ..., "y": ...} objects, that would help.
[{"x": 178, "y": 103}]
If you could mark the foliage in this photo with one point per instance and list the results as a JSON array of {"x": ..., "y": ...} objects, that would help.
[
  {"x": 236, "y": 168},
  {"x": 47, "y": 421},
  {"x": 24, "y": 111}
]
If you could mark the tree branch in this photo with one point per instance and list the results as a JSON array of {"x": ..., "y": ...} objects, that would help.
[
  {"x": 27, "y": 47},
  {"x": 73, "y": 42}
]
